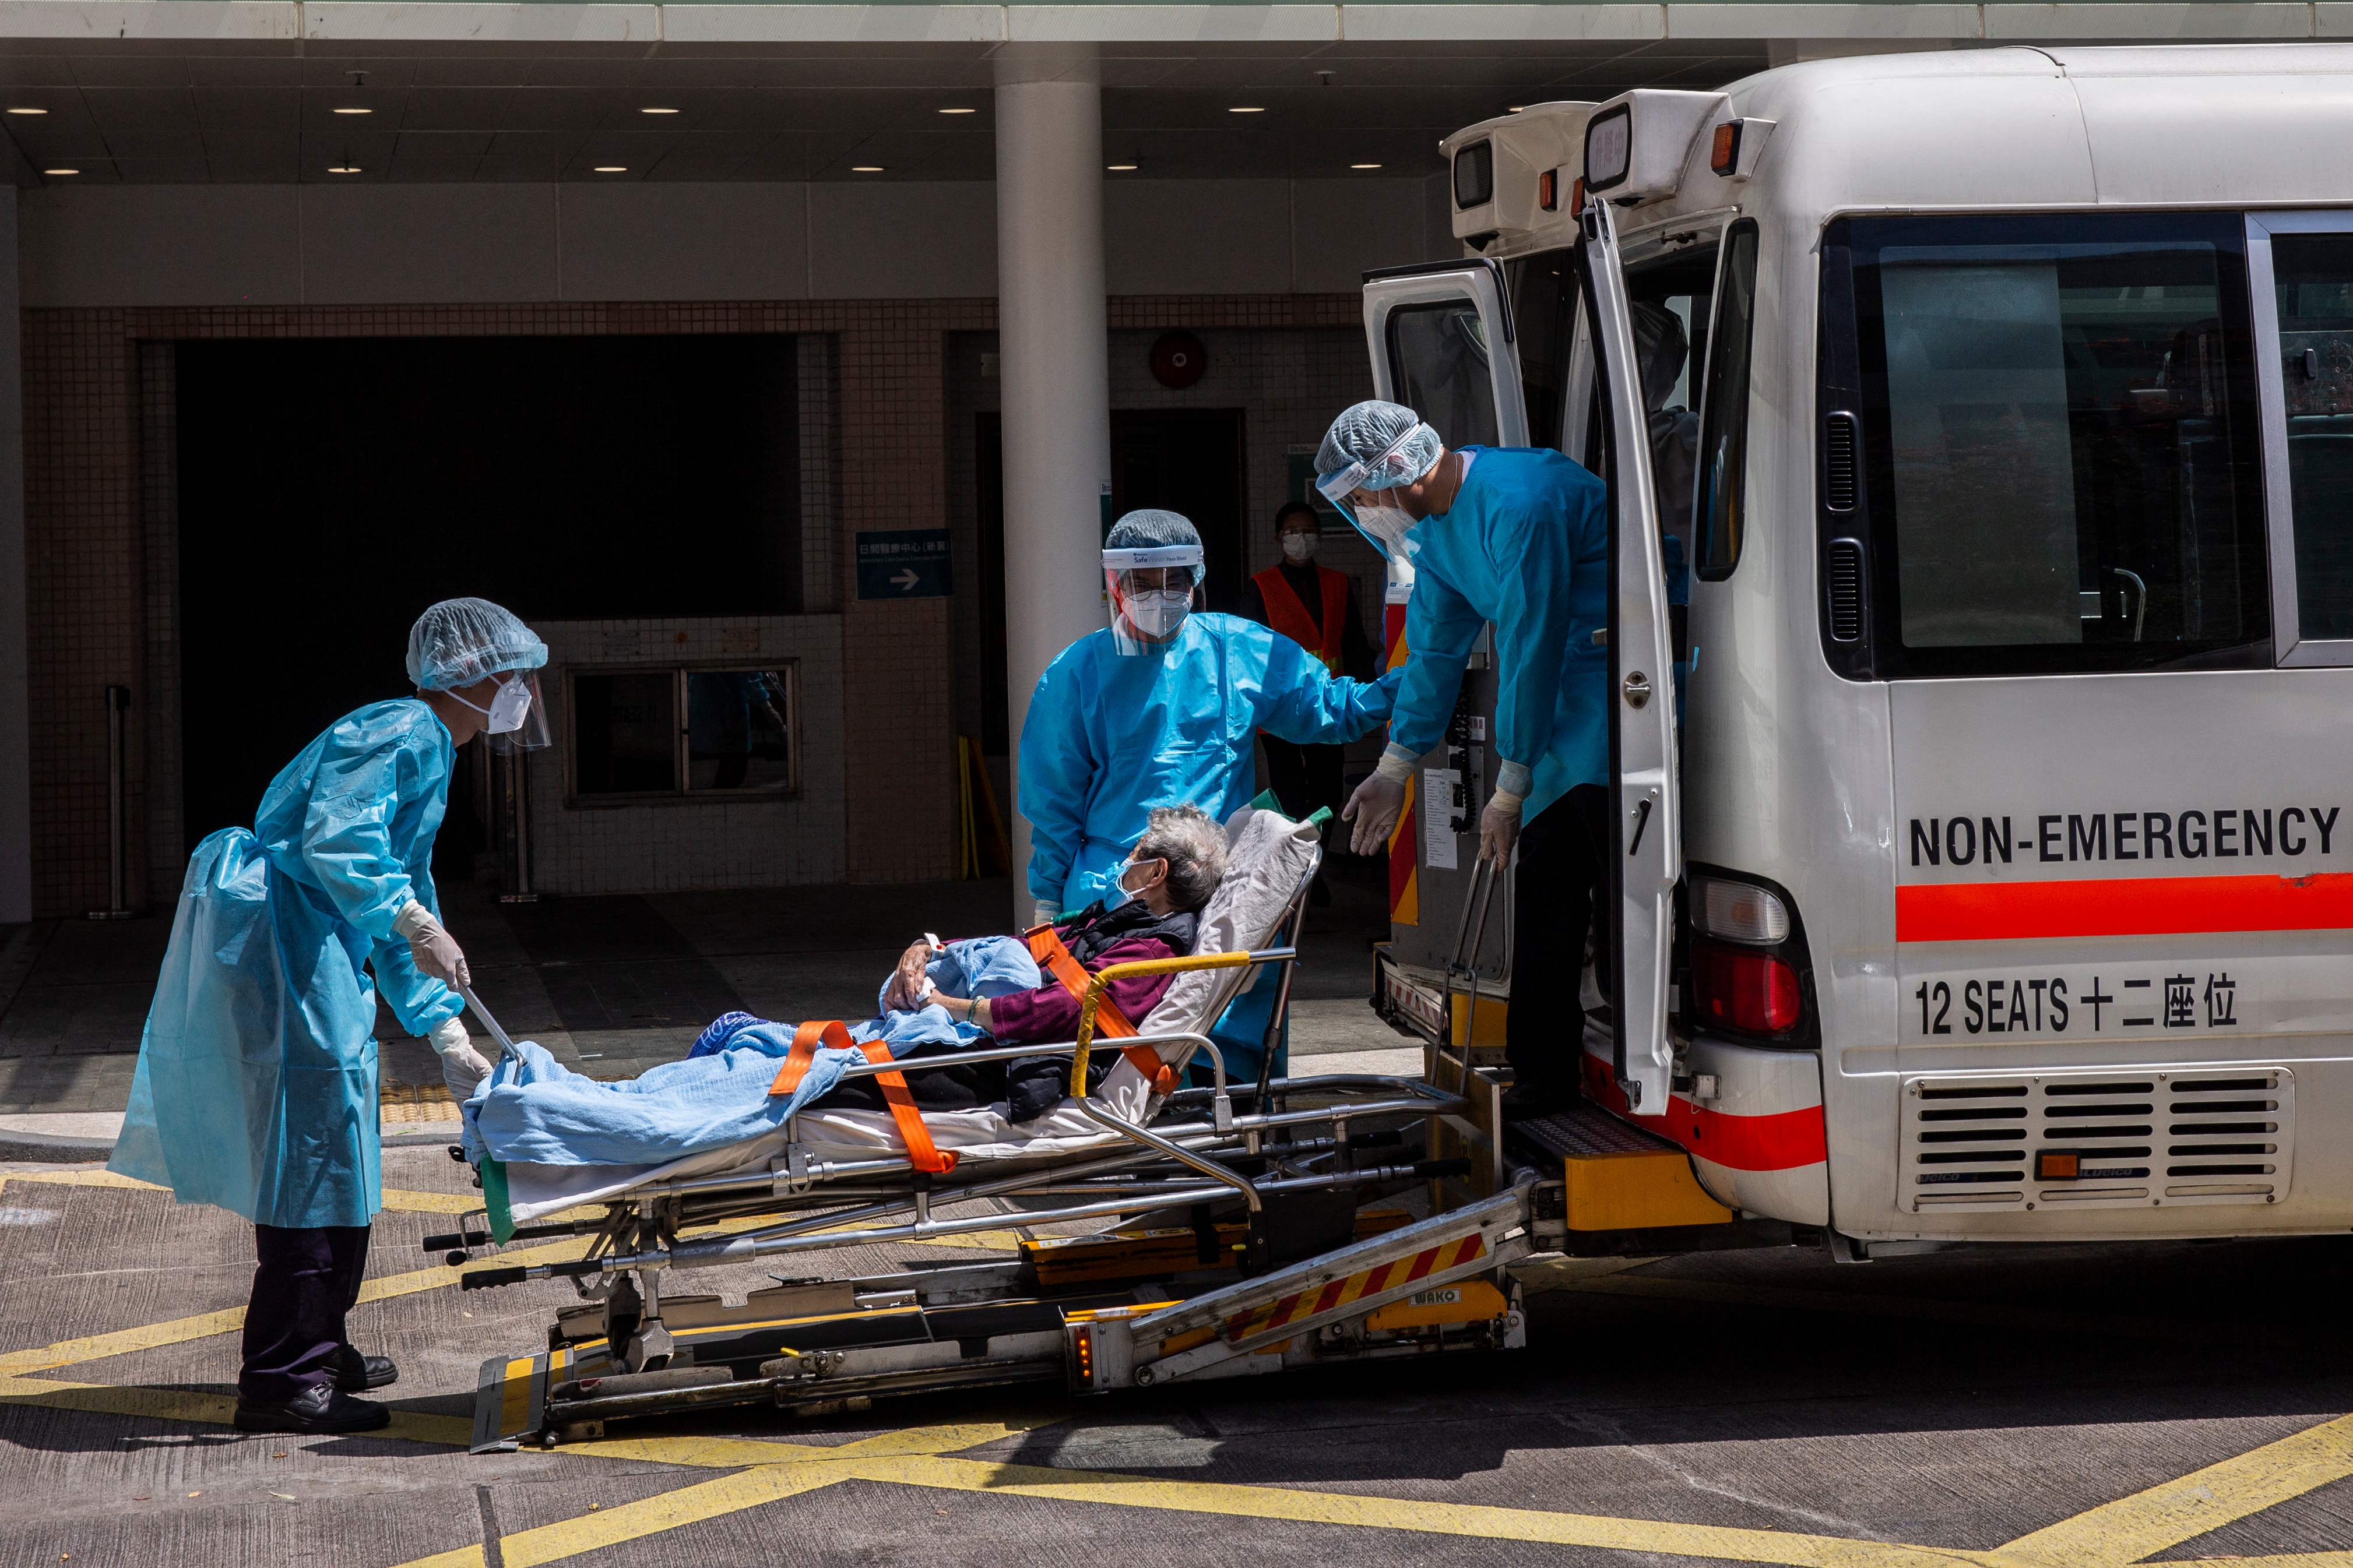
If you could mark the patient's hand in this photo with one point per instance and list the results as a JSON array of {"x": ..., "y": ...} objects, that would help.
[{"x": 906, "y": 988}]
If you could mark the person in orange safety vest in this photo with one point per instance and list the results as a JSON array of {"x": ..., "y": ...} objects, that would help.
[{"x": 1315, "y": 608}]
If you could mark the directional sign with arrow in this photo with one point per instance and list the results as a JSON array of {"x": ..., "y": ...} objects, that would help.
[{"x": 905, "y": 564}]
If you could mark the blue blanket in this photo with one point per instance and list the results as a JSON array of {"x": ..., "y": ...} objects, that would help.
[{"x": 533, "y": 1108}]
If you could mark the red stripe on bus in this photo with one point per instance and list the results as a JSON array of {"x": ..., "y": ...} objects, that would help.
[
  {"x": 1779, "y": 1140},
  {"x": 2122, "y": 906}
]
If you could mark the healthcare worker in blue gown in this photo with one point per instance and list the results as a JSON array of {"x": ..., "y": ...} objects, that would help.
[
  {"x": 1520, "y": 537},
  {"x": 1161, "y": 708},
  {"x": 256, "y": 1090}
]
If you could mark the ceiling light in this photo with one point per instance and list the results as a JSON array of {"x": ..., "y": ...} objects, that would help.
[
  {"x": 1121, "y": 168},
  {"x": 355, "y": 111},
  {"x": 62, "y": 171},
  {"x": 612, "y": 168},
  {"x": 657, "y": 111},
  {"x": 334, "y": 169},
  {"x": 866, "y": 168},
  {"x": 1246, "y": 109},
  {"x": 1363, "y": 165},
  {"x": 959, "y": 112},
  {"x": 1514, "y": 108},
  {"x": 29, "y": 111}
]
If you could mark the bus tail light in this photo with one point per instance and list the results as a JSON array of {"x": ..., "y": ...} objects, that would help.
[
  {"x": 1746, "y": 989},
  {"x": 1748, "y": 972}
]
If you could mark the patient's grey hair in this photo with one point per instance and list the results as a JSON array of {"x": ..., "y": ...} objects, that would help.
[{"x": 1194, "y": 848}]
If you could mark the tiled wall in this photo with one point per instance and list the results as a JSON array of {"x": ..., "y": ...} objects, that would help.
[
  {"x": 699, "y": 842},
  {"x": 100, "y": 484}
]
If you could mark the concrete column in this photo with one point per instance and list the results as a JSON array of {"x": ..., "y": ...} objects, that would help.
[
  {"x": 15, "y": 673},
  {"x": 1054, "y": 368}
]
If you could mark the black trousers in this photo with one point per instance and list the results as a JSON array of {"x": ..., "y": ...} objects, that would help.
[
  {"x": 303, "y": 1283},
  {"x": 1560, "y": 893},
  {"x": 1303, "y": 778}
]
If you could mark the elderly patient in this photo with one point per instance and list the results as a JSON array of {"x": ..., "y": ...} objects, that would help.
[{"x": 937, "y": 1002}]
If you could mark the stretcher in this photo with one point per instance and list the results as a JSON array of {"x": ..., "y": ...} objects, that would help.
[{"x": 1248, "y": 1227}]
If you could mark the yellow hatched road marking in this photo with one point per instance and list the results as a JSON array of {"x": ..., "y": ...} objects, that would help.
[
  {"x": 403, "y": 1200},
  {"x": 206, "y": 1409},
  {"x": 649, "y": 1516},
  {"x": 2164, "y": 1516}
]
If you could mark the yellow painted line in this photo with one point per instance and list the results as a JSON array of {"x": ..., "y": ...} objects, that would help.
[
  {"x": 723, "y": 1453},
  {"x": 1475, "y": 1520},
  {"x": 81, "y": 1179},
  {"x": 2164, "y": 1516},
  {"x": 649, "y": 1516}
]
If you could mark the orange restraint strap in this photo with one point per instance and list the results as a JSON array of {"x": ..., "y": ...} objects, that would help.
[
  {"x": 1046, "y": 947},
  {"x": 922, "y": 1153}
]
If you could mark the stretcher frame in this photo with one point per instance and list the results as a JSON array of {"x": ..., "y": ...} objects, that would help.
[{"x": 1283, "y": 1270}]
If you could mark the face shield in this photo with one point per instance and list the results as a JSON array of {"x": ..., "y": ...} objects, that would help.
[
  {"x": 1151, "y": 594},
  {"x": 517, "y": 715},
  {"x": 1359, "y": 494}
]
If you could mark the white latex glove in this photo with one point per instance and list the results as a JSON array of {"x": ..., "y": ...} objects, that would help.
[
  {"x": 1377, "y": 804},
  {"x": 1499, "y": 827},
  {"x": 462, "y": 1066},
  {"x": 436, "y": 952},
  {"x": 1042, "y": 914}
]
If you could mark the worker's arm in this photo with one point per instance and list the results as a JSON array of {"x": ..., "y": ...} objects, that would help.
[
  {"x": 1302, "y": 702},
  {"x": 1531, "y": 632},
  {"x": 1058, "y": 769},
  {"x": 1439, "y": 628},
  {"x": 363, "y": 780}
]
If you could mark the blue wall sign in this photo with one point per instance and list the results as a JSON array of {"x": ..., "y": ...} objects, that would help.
[{"x": 905, "y": 564}]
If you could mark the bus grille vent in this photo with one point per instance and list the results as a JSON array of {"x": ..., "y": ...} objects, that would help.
[
  {"x": 1846, "y": 590},
  {"x": 2147, "y": 1138},
  {"x": 1838, "y": 462}
]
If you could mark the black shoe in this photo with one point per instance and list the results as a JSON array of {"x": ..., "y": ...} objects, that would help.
[
  {"x": 355, "y": 1373},
  {"x": 317, "y": 1410}
]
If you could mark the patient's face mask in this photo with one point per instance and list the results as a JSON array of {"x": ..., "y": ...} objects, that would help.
[{"x": 1122, "y": 885}]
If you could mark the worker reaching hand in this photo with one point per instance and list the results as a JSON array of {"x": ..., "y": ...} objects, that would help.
[
  {"x": 1519, "y": 537},
  {"x": 256, "y": 1090},
  {"x": 1160, "y": 708}
]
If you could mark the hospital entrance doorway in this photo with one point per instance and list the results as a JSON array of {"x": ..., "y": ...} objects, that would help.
[{"x": 331, "y": 489}]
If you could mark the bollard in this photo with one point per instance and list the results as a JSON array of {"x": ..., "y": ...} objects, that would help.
[{"x": 118, "y": 703}]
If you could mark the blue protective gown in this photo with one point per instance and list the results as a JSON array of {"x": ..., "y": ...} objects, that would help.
[
  {"x": 1526, "y": 545},
  {"x": 256, "y": 1082},
  {"x": 1111, "y": 735}
]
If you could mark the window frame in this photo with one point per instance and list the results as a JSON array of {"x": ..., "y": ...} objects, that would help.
[
  {"x": 1857, "y": 238},
  {"x": 2295, "y": 650},
  {"x": 681, "y": 763}
]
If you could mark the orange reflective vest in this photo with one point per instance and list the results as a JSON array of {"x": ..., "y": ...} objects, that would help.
[
  {"x": 1046, "y": 947},
  {"x": 1287, "y": 615},
  {"x": 922, "y": 1153}
]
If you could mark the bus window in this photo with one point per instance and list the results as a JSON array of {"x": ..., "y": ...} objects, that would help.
[
  {"x": 1718, "y": 510},
  {"x": 2060, "y": 441},
  {"x": 1544, "y": 303},
  {"x": 2313, "y": 283},
  {"x": 1669, "y": 297},
  {"x": 1438, "y": 358}
]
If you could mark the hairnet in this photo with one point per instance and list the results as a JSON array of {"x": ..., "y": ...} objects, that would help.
[
  {"x": 1151, "y": 527},
  {"x": 459, "y": 641},
  {"x": 1364, "y": 432}
]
